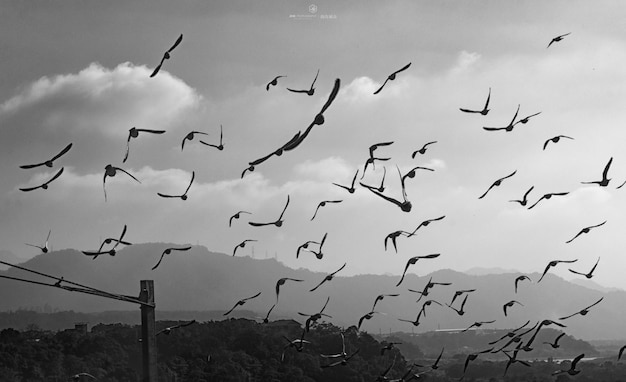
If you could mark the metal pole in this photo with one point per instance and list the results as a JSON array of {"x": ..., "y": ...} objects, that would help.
[{"x": 148, "y": 332}]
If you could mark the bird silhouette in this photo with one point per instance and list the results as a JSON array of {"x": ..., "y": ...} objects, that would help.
[
  {"x": 525, "y": 120},
  {"x": 394, "y": 236},
  {"x": 584, "y": 311},
  {"x": 184, "y": 195},
  {"x": 547, "y": 197},
  {"x": 341, "y": 354},
  {"x": 424, "y": 292},
  {"x": 380, "y": 188},
  {"x": 367, "y": 316},
  {"x": 133, "y": 132},
  {"x": 388, "y": 346},
  {"x": 621, "y": 351},
  {"x": 509, "y": 305},
  {"x": 405, "y": 205},
  {"x": 588, "y": 274},
  {"x": 521, "y": 278},
  {"x": 297, "y": 344},
  {"x": 323, "y": 204},
  {"x": 278, "y": 223},
  {"x": 319, "y": 253},
  {"x": 267, "y": 316},
  {"x": 572, "y": 369},
  {"x": 241, "y": 302},
  {"x": 328, "y": 277},
  {"x": 371, "y": 159},
  {"x": 220, "y": 147},
  {"x": 478, "y": 324},
  {"x": 166, "y": 55},
  {"x": 189, "y": 137},
  {"x": 585, "y": 230},
  {"x": 169, "y": 329},
  {"x": 435, "y": 365},
  {"x": 237, "y": 216},
  {"x": 350, "y": 189},
  {"x": 555, "y": 140},
  {"x": 557, "y": 39},
  {"x": 305, "y": 246},
  {"x": 415, "y": 322},
  {"x": 524, "y": 200},
  {"x": 472, "y": 357},
  {"x": 555, "y": 344},
  {"x": 242, "y": 245},
  {"x": 496, "y": 184},
  {"x": 111, "y": 171},
  {"x": 510, "y": 334},
  {"x": 513, "y": 359},
  {"x": 380, "y": 297},
  {"x": 506, "y": 128},
  {"x": 77, "y": 377},
  {"x": 49, "y": 162},
  {"x": 273, "y": 82},
  {"x": 167, "y": 251},
  {"x": 111, "y": 251},
  {"x": 313, "y": 318},
  {"x": 426, "y": 223},
  {"x": 282, "y": 282},
  {"x": 460, "y": 311},
  {"x": 422, "y": 150},
  {"x": 605, "y": 180},
  {"x": 392, "y": 77},
  {"x": 309, "y": 91},
  {"x": 343, "y": 362},
  {"x": 485, "y": 109},
  {"x": 45, "y": 248},
  {"x": 44, "y": 186},
  {"x": 411, "y": 174},
  {"x": 414, "y": 260},
  {"x": 554, "y": 263},
  {"x": 459, "y": 293},
  {"x": 429, "y": 303}
]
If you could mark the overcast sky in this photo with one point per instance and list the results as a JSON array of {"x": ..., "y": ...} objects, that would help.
[{"x": 78, "y": 72}]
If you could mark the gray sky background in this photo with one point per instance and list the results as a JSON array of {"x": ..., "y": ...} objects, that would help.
[{"x": 78, "y": 71}]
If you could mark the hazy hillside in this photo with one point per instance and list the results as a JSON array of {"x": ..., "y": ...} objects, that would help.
[{"x": 202, "y": 280}]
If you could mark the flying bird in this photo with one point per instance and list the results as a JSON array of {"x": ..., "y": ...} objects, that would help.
[
  {"x": 237, "y": 216},
  {"x": 524, "y": 200},
  {"x": 312, "y": 318},
  {"x": 372, "y": 158},
  {"x": 430, "y": 284},
  {"x": 584, "y": 311},
  {"x": 414, "y": 260},
  {"x": 404, "y": 205},
  {"x": 394, "y": 236},
  {"x": 44, "y": 248},
  {"x": 277, "y": 223},
  {"x": 392, "y": 77},
  {"x": 621, "y": 351},
  {"x": 572, "y": 369},
  {"x": 435, "y": 365},
  {"x": 342, "y": 354},
  {"x": 557, "y": 39},
  {"x": 554, "y": 263},
  {"x": 547, "y": 197},
  {"x": 425, "y": 223},
  {"x": 189, "y": 137},
  {"x": 521, "y": 278},
  {"x": 305, "y": 246},
  {"x": 508, "y": 127},
  {"x": 460, "y": 311},
  {"x": 388, "y": 346},
  {"x": 509, "y": 305},
  {"x": 167, "y": 251},
  {"x": 77, "y": 377},
  {"x": 44, "y": 186},
  {"x": 497, "y": 183},
  {"x": 472, "y": 357},
  {"x": 49, "y": 162},
  {"x": 220, "y": 147},
  {"x": 380, "y": 188},
  {"x": 555, "y": 140},
  {"x": 343, "y": 362},
  {"x": 273, "y": 82},
  {"x": 555, "y": 344},
  {"x": 184, "y": 195},
  {"x": 166, "y": 55},
  {"x": 588, "y": 274},
  {"x": 282, "y": 282},
  {"x": 328, "y": 277},
  {"x": 605, "y": 180},
  {"x": 350, "y": 189},
  {"x": 111, "y": 251},
  {"x": 241, "y": 302},
  {"x": 422, "y": 150},
  {"x": 319, "y": 253},
  {"x": 478, "y": 324},
  {"x": 323, "y": 204},
  {"x": 367, "y": 316},
  {"x": 585, "y": 230},
  {"x": 415, "y": 322},
  {"x": 133, "y": 132},
  {"x": 525, "y": 120},
  {"x": 459, "y": 293},
  {"x": 111, "y": 171},
  {"x": 267, "y": 316},
  {"x": 485, "y": 109},
  {"x": 169, "y": 329},
  {"x": 242, "y": 245},
  {"x": 380, "y": 297},
  {"x": 311, "y": 90}
]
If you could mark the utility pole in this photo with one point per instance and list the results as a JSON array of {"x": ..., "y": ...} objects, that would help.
[{"x": 148, "y": 331}]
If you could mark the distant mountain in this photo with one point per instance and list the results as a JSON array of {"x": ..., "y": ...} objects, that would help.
[
  {"x": 8, "y": 257},
  {"x": 204, "y": 281},
  {"x": 480, "y": 271},
  {"x": 594, "y": 285}
]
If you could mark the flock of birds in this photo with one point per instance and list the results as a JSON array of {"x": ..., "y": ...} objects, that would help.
[{"x": 519, "y": 339}]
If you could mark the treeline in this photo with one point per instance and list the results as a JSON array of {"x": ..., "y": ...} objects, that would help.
[{"x": 245, "y": 350}]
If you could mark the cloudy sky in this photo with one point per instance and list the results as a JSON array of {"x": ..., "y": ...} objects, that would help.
[{"x": 78, "y": 72}]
